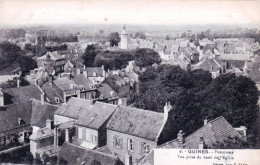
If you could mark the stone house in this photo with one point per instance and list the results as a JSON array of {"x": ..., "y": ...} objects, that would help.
[
  {"x": 132, "y": 132},
  {"x": 91, "y": 125},
  {"x": 52, "y": 60}
]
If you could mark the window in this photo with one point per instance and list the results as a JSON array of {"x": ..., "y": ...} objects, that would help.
[
  {"x": 57, "y": 100},
  {"x": 144, "y": 148},
  {"x": 130, "y": 144},
  {"x": 94, "y": 139},
  {"x": 117, "y": 142}
]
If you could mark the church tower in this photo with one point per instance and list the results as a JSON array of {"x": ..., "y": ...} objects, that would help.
[{"x": 124, "y": 39}]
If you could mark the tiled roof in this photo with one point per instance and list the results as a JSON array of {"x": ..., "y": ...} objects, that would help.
[
  {"x": 96, "y": 115},
  {"x": 17, "y": 104},
  {"x": 73, "y": 154},
  {"x": 51, "y": 93},
  {"x": 81, "y": 80},
  {"x": 107, "y": 91},
  {"x": 9, "y": 70},
  {"x": 214, "y": 131},
  {"x": 241, "y": 57},
  {"x": 136, "y": 122},
  {"x": 208, "y": 65},
  {"x": 73, "y": 107},
  {"x": 41, "y": 112},
  {"x": 53, "y": 56},
  {"x": 97, "y": 70},
  {"x": 64, "y": 83}
]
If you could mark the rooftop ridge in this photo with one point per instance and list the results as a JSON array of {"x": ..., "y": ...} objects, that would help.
[
  {"x": 45, "y": 103},
  {"x": 208, "y": 124},
  {"x": 139, "y": 109}
]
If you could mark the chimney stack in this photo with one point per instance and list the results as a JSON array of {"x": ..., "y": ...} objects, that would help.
[
  {"x": 85, "y": 73},
  {"x": 201, "y": 143},
  {"x": 1, "y": 98},
  {"x": 206, "y": 121},
  {"x": 166, "y": 111},
  {"x": 180, "y": 138},
  {"x": 78, "y": 70},
  {"x": 19, "y": 120},
  {"x": 128, "y": 159},
  {"x": 43, "y": 97},
  {"x": 122, "y": 101},
  {"x": 49, "y": 123},
  {"x": 18, "y": 83}
]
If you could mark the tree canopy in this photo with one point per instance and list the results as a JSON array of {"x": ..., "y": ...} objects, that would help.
[
  {"x": 194, "y": 95},
  {"x": 119, "y": 59},
  {"x": 114, "y": 39}
]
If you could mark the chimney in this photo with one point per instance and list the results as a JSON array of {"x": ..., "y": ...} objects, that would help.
[
  {"x": 43, "y": 97},
  {"x": 201, "y": 143},
  {"x": 206, "y": 121},
  {"x": 242, "y": 131},
  {"x": 18, "y": 83},
  {"x": 180, "y": 138},
  {"x": 102, "y": 67},
  {"x": 19, "y": 120},
  {"x": 166, "y": 110},
  {"x": 1, "y": 98},
  {"x": 85, "y": 73},
  {"x": 49, "y": 123},
  {"x": 78, "y": 70},
  {"x": 128, "y": 159},
  {"x": 122, "y": 101}
]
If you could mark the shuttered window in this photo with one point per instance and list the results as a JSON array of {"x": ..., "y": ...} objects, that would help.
[{"x": 117, "y": 142}]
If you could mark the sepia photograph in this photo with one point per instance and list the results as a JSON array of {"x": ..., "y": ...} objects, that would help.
[{"x": 140, "y": 82}]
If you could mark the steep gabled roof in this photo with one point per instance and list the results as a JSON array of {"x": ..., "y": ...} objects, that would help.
[
  {"x": 41, "y": 112},
  {"x": 53, "y": 56},
  {"x": 73, "y": 154},
  {"x": 214, "y": 131},
  {"x": 11, "y": 69},
  {"x": 96, "y": 115},
  {"x": 107, "y": 91},
  {"x": 17, "y": 104},
  {"x": 136, "y": 122},
  {"x": 81, "y": 80},
  {"x": 64, "y": 83},
  {"x": 97, "y": 70},
  {"x": 51, "y": 93},
  {"x": 73, "y": 107}
]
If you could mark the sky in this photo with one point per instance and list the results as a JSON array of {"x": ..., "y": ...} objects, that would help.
[{"x": 158, "y": 12}]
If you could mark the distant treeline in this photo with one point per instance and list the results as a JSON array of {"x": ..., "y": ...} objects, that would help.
[{"x": 61, "y": 39}]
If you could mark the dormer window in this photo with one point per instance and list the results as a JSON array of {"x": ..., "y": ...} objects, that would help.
[
  {"x": 101, "y": 96},
  {"x": 57, "y": 100},
  {"x": 94, "y": 74},
  {"x": 93, "y": 87}
]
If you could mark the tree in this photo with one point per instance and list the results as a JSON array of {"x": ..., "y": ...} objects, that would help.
[
  {"x": 89, "y": 55},
  {"x": 26, "y": 63},
  {"x": 184, "y": 35},
  {"x": 167, "y": 37},
  {"x": 9, "y": 52},
  {"x": 232, "y": 143},
  {"x": 114, "y": 39},
  {"x": 194, "y": 96},
  {"x": 146, "y": 57}
]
